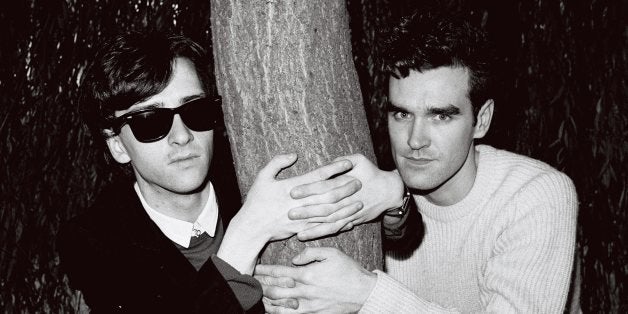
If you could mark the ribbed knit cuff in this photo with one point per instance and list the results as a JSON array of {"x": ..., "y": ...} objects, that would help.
[{"x": 390, "y": 296}]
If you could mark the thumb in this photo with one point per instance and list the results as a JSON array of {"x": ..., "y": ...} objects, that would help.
[
  {"x": 275, "y": 165},
  {"x": 355, "y": 159},
  {"x": 310, "y": 255},
  {"x": 346, "y": 157}
]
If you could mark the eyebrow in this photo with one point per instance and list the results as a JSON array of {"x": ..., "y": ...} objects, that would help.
[
  {"x": 449, "y": 110},
  {"x": 391, "y": 107},
  {"x": 192, "y": 97},
  {"x": 147, "y": 107},
  {"x": 161, "y": 104}
]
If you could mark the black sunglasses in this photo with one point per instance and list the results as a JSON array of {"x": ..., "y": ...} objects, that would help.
[{"x": 151, "y": 125}]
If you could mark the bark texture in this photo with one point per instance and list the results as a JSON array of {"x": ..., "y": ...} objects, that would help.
[{"x": 288, "y": 82}]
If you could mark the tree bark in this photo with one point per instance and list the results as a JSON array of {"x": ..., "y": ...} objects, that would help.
[{"x": 288, "y": 82}]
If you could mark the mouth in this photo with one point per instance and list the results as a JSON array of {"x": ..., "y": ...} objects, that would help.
[
  {"x": 418, "y": 161},
  {"x": 182, "y": 158}
]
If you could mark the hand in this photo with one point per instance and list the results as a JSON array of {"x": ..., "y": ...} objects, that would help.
[
  {"x": 268, "y": 201},
  {"x": 326, "y": 280},
  {"x": 381, "y": 190},
  {"x": 264, "y": 214},
  {"x": 283, "y": 282}
]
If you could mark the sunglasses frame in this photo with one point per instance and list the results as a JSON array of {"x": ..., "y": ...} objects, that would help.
[{"x": 119, "y": 122}]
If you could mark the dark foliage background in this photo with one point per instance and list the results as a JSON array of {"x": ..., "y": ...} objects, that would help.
[
  {"x": 49, "y": 168},
  {"x": 564, "y": 102},
  {"x": 563, "y": 68}
]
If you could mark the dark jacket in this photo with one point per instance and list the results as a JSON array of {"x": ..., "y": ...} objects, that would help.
[{"x": 122, "y": 262}]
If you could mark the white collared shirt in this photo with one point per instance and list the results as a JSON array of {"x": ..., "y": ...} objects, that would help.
[{"x": 181, "y": 231}]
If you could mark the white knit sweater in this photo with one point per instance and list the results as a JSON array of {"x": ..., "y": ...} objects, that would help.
[{"x": 508, "y": 246}]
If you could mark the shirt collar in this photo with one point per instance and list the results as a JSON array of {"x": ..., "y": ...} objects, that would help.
[{"x": 180, "y": 231}]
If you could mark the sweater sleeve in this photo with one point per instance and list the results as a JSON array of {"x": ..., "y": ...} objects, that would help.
[
  {"x": 247, "y": 290},
  {"x": 530, "y": 268},
  {"x": 390, "y": 296}
]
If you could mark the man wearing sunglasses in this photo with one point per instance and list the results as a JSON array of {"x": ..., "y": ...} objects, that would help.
[{"x": 159, "y": 242}]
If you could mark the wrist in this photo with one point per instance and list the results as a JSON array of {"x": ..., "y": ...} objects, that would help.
[
  {"x": 400, "y": 211},
  {"x": 249, "y": 231},
  {"x": 241, "y": 245},
  {"x": 397, "y": 188}
]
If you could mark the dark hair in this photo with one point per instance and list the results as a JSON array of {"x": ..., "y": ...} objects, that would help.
[
  {"x": 132, "y": 67},
  {"x": 428, "y": 40}
]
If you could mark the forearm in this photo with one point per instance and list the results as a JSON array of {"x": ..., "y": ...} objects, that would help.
[{"x": 241, "y": 245}]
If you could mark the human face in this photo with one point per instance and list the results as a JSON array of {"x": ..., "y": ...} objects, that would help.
[
  {"x": 179, "y": 162},
  {"x": 431, "y": 126}
]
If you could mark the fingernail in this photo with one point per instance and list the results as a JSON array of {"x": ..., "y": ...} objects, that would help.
[
  {"x": 358, "y": 183},
  {"x": 293, "y": 215},
  {"x": 295, "y": 193}
]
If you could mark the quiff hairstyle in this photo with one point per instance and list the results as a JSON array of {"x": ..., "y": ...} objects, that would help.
[{"x": 428, "y": 40}]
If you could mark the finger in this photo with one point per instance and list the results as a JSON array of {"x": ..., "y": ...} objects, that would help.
[
  {"x": 285, "y": 282},
  {"x": 276, "y": 271},
  {"x": 326, "y": 212},
  {"x": 334, "y": 195},
  {"x": 275, "y": 165},
  {"x": 347, "y": 227},
  {"x": 287, "y": 303},
  {"x": 334, "y": 212},
  {"x": 319, "y": 187},
  {"x": 313, "y": 211},
  {"x": 355, "y": 159},
  {"x": 278, "y": 293},
  {"x": 324, "y": 172},
  {"x": 311, "y": 254},
  {"x": 273, "y": 309},
  {"x": 343, "y": 213},
  {"x": 323, "y": 229},
  {"x": 351, "y": 217}
]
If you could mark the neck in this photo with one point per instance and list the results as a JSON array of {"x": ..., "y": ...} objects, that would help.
[
  {"x": 458, "y": 186},
  {"x": 186, "y": 207}
]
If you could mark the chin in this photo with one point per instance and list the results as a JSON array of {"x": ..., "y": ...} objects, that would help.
[
  {"x": 189, "y": 186},
  {"x": 420, "y": 182}
]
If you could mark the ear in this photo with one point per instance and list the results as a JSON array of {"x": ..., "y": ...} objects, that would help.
[
  {"x": 485, "y": 115},
  {"x": 117, "y": 149}
]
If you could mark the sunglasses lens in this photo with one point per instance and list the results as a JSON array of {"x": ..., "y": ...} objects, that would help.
[
  {"x": 151, "y": 126},
  {"x": 154, "y": 124},
  {"x": 200, "y": 114}
]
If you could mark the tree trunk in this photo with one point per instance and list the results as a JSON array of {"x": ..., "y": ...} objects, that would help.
[{"x": 288, "y": 82}]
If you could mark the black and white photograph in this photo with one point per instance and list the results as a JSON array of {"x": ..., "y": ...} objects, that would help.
[{"x": 314, "y": 156}]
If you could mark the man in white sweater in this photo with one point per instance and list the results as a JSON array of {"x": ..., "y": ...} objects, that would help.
[{"x": 498, "y": 232}]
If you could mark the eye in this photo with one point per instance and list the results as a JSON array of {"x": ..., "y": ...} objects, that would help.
[
  {"x": 400, "y": 115},
  {"x": 443, "y": 117}
]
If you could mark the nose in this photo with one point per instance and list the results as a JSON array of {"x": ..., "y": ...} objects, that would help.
[
  {"x": 179, "y": 134},
  {"x": 418, "y": 137}
]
